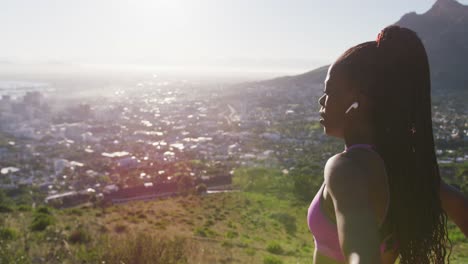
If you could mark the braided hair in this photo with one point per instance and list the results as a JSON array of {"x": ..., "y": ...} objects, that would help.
[{"x": 393, "y": 72}]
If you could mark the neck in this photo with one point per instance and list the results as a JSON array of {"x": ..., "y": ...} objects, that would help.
[{"x": 361, "y": 135}]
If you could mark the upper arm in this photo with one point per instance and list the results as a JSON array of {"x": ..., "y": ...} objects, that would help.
[
  {"x": 348, "y": 186},
  {"x": 455, "y": 204}
]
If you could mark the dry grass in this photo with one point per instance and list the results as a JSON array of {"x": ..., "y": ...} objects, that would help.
[{"x": 219, "y": 228}]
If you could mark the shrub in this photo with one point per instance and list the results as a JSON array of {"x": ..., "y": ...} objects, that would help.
[
  {"x": 103, "y": 229},
  {"x": 275, "y": 248},
  {"x": 89, "y": 254},
  {"x": 41, "y": 222},
  {"x": 250, "y": 251},
  {"x": 24, "y": 208},
  {"x": 5, "y": 208},
  {"x": 230, "y": 224},
  {"x": 79, "y": 236},
  {"x": 231, "y": 234},
  {"x": 227, "y": 244},
  {"x": 204, "y": 232},
  {"x": 76, "y": 212},
  {"x": 120, "y": 228},
  {"x": 184, "y": 184},
  {"x": 272, "y": 260},
  {"x": 288, "y": 222},
  {"x": 200, "y": 232},
  {"x": 209, "y": 223},
  {"x": 44, "y": 210},
  {"x": 141, "y": 216},
  {"x": 7, "y": 233},
  {"x": 13, "y": 255},
  {"x": 201, "y": 188}
]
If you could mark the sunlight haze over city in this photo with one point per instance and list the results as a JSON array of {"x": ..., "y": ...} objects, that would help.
[
  {"x": 208, "y": 131},
  {"x": 206, "y": 35}
]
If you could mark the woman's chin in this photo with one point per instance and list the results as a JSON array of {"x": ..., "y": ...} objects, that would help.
[
  {"x": 327, "y": 130},
  {"x": 331, "y": 133}
]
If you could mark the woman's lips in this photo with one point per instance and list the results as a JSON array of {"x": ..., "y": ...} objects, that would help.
[{"x": 322, "y": 118}]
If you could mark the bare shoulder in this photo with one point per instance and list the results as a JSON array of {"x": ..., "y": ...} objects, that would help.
[{"x": 345, "y": 174}]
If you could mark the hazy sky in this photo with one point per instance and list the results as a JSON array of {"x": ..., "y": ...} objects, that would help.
[{"x": 245, "y": 34}]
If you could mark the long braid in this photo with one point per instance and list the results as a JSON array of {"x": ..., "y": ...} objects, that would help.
[
  {"x": 394, "y": 73},
  {"x": 416, "y": 212}
]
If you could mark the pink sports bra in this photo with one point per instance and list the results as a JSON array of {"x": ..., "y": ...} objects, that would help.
[{"x": 326, "y": 233}]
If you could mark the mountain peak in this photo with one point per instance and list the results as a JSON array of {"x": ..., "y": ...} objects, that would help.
[
  {"x": 443, "y": 30},
  {"x": 447, "y": 3},
  {"x": 446, "y": 7}
]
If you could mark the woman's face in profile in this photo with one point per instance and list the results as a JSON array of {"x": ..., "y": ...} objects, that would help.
[{"x": 336, "y": 99}]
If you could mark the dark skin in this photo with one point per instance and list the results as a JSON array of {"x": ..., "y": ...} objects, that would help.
[
  {"x": 455, "y": 204},
  {"x": 356, "y": 191}
]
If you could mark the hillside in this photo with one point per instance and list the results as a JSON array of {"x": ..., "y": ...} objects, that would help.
[
  {"x": 303, "y": 89},
  {"x": 238, "y": 227},
  {"x": 304, "y": 80},
  {"x": 232, "y": 227}
]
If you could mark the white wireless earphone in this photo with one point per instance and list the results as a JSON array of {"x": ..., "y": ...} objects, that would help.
[{"x": 355, "y": 105}]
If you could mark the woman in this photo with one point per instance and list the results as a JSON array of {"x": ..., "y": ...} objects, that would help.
[{"x": 380, "y": 196}]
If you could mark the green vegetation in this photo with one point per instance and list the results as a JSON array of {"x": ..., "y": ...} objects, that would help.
[
  {"x": 217, "y": 228},
  {"x": 272, "y": 260},
  {"x": 267, "y": 224},
  {"x": 275, "y": 248},
  {"x": 22, "y": 197},
  {"x": 79, "y": 236},
  {"x": 5, "y": 208},
  {"x": 7, "y": 233},
  {"x": 461, "y": 177},
  {"x": 288, "y": 221},
  {"x": 42, "y": 218},
  {"x": 306, "y": 180},
  {"x": 140, "y": 248},
  {"x": 261, "y": 180}
]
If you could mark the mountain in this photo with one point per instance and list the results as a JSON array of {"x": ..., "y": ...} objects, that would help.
[
  {"x": 444, "y": 32},
  {"x": 303, "y": 89},
  {"x": 304, "y": 80}
]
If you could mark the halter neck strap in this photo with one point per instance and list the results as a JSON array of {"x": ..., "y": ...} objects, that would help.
[{"x": 366, "y": 146}]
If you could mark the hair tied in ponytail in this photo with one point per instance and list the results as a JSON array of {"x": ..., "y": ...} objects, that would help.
[{"x": 379, "y": 38}]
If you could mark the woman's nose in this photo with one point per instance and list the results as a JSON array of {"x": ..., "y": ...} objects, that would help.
[{"x": 321, "y": 100}]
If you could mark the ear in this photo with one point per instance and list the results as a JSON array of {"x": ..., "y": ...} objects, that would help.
[{"x": 355, "y": 105}]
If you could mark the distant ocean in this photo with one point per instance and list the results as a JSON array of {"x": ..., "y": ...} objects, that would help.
[{"x": 19, "y": 88}]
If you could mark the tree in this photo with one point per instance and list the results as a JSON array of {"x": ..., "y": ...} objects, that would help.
[
  {"x": 306, "y": 181},
  {"x": 184, "y": 183},
  {"x": 201, "y": 188}
]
